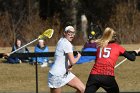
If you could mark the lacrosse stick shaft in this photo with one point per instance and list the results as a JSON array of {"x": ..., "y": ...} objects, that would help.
[
  {"x": 48, "y": 33},
  {"x": 121, "y": 62},
  {"x": 84, "y": 22},
  {"x": 23, "y": 46}
]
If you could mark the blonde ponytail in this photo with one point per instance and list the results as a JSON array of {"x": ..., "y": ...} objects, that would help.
[{"x": 107, "y": 36}]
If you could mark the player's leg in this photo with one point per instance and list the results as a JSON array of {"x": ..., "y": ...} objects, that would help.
[
  {"x": 54, "y": 82},
  {"x": 91, "y": 89},
  {"x": 55, "y": 90},
  {"x": 77, "y": 84},
  {"x": 92, "y": 84},
  {"x": 110, "y": 85},
  {"x": 112, "y": 89}
]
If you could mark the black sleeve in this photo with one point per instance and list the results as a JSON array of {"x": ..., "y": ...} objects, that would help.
[{"x": 130, "y": 55}]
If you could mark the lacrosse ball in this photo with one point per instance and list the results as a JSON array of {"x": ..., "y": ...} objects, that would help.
[{"x": 92, "y": 33}]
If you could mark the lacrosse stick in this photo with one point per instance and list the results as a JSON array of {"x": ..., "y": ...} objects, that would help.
[
  {"x": 48, "y": 33},
  {"x": 122, "y": 61},
  {"x": 84, "y": 23}
]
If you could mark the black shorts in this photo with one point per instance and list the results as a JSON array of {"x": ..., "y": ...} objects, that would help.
[{"x": 108, "y": 83}]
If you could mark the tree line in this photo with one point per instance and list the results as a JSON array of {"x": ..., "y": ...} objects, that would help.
[{"x": 29, "y": 18}]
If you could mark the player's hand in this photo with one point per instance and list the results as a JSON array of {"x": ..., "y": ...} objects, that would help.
[
  {"x": 137, "y": 51},
  {"x": 69, "y": 69},
  {"x": 78, "y": 55},
  {"x": 6, "y": 55}
]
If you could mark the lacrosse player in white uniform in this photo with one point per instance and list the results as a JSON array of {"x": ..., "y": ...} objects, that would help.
[{"x": 60, "y": 75}]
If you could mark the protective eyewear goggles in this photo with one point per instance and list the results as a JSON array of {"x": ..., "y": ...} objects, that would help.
[{"x": 71, "y": 32}]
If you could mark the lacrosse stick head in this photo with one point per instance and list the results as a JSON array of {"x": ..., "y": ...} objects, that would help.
[
  {"x": 95, "y": 31},
  {"x": 48, "y": 33}
]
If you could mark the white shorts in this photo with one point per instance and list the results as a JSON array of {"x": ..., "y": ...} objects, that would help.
[{"x": 59, "y": 81}]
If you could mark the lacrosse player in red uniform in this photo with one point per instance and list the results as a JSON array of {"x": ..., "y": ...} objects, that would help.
[{"x": 102, "y": 73}]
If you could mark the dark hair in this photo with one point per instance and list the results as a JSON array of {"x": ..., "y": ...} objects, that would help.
[
  {"x": 15, "y": 43},
  {"x": 115, "y": 38}
]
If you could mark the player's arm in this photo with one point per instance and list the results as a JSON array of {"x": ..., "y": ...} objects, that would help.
[
  {"x": 72, "y": 59},
  {"x": 130, "y": 55}
]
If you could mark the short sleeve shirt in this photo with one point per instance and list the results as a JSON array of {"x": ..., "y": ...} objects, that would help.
[
  {"x": 106, "y": 59},
  {"x": 60, "y": 65}
]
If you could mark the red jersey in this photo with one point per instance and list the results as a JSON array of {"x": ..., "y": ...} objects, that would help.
[{"x": 106, "y": 59}]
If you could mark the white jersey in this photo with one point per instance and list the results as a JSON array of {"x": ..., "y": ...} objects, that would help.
[{"x": 60, "y": 66}]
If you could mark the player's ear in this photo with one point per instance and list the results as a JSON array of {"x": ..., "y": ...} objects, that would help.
[
  {"x": 64, "y": 33},
  {"x": 115, "y": 38}
]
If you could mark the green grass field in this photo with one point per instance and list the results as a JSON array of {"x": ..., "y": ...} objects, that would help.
[{"x": 21, "y": 77}]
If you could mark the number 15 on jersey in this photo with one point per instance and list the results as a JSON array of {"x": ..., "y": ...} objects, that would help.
[{"x": 104, "y": 52}]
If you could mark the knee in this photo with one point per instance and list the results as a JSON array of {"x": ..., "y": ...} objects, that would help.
[{"x": 81, "y": 89}]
